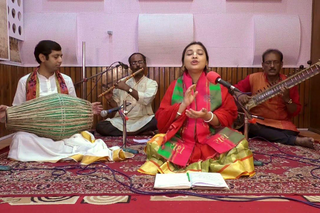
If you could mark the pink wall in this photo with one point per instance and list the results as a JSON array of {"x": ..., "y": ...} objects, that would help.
[{"x": 224, "y": 26}]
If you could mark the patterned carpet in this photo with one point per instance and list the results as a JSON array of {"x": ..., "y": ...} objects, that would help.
[{"x": 286, "y": 170}]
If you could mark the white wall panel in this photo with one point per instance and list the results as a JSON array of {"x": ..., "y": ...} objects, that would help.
[
  {"x": 282, "y": 32},
  {"x": 162, "y": 37},
  {"x": 60, "y": 27}
]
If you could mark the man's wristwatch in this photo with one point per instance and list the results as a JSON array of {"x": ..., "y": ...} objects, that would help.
[
  {"x": 289, "y": 102},
  {"x": 130, "y": 90}
]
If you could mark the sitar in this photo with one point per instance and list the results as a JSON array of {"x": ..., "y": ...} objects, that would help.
[{"x": 288, "y": 83}]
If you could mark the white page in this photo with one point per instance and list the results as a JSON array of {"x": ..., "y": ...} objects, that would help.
[
  {"x": 207, "y": 179},
  {"x": 172, "y": 181},
  {"x": 141, "y": 140}
]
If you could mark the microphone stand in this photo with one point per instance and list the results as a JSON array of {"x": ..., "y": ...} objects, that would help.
[
  {"x": 84, "y": 80},
  {"x": 124, "y": 130},
  {"x": 248, "y": 117}
]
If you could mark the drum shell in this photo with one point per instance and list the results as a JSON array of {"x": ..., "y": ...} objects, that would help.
[{"x": 56, "y": 116}]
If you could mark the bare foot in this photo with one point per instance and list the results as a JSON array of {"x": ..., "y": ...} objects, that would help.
[{"x": 305, "y": 142}]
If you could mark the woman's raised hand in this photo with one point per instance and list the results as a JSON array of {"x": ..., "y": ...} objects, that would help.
[{"x": 190, "y": 95}]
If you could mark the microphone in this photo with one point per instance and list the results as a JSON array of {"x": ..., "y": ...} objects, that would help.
[
  {"x": 5, "y": 168},
  {"x": 258, "y": 163},
  {"x": 215, "y": 78},
  {"x": 124, "y": 66},
  {"x": 104, "y": 113}
]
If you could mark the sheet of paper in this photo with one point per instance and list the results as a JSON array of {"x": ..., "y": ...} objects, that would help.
[
  {"x": 207, "y": 179},
  {"x": 172, "y": 181},
  {"x": 141, "y": 140}
]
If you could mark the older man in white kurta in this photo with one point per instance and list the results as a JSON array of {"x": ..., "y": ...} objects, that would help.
[
  {"x": 139, "y": 91},
  {"x": 139, "y": 112}
]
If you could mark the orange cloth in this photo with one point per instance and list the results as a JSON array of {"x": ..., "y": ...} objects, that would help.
[{"x": 273, "y": 110}]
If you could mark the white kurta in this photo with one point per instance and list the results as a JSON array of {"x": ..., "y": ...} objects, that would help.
[
  {"x": 30, "y": 147},
  {"x": 139, "y": 112},
  {"x": 47, "y": 87}
]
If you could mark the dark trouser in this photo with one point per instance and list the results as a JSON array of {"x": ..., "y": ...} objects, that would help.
[
  {"x": 105, "y": 128},
  {"x": 273, "y": 134}
]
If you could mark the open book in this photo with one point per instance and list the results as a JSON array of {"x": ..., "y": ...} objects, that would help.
[{"x": 192, "y": 180}]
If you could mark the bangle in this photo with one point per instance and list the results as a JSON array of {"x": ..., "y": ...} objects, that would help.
[
  {"x": 210, "y": 118},
  {"x": 178, "y": 113}
]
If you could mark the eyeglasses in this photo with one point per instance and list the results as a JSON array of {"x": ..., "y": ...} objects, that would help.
[
  {"x": 137, "y": 62},
  {"x": 275, "y": 63}
]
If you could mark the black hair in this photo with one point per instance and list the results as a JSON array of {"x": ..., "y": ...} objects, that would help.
[
  {"x": 143, "y": 56},
  {"x": 194, "y": 43},
  {"x": 45, "y": 47},
  {"x": 276, "y": 51}
]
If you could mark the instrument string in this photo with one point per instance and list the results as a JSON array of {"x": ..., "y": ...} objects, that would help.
[{"x": 288, "y": 83}]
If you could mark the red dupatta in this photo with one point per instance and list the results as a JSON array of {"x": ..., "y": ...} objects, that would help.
[
  {"x": 184, "y": 133},
  {"x": 32, "y": 85}
]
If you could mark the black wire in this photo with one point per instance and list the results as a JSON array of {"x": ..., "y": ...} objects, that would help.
[
  {"x": 313, "y": 162},
  {"x": 100, "y": 76},
  {"x": 212, "y": 197},
  {"x": 61, "y": 170},
  {"x": 89, "y": 170}
]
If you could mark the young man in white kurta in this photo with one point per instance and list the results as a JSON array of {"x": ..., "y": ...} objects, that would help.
[
  {"x": 30, "y": 147},
  {"x": 47, "y": 87}
]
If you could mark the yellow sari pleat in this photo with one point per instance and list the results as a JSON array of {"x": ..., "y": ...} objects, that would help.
[{"x": 236, "y": 163}]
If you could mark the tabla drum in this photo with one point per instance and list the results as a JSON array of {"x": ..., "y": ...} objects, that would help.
[{"x": 56, "y": 116}]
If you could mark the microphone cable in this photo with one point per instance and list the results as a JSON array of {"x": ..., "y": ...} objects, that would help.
[{"x": 126, "y": 181}]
